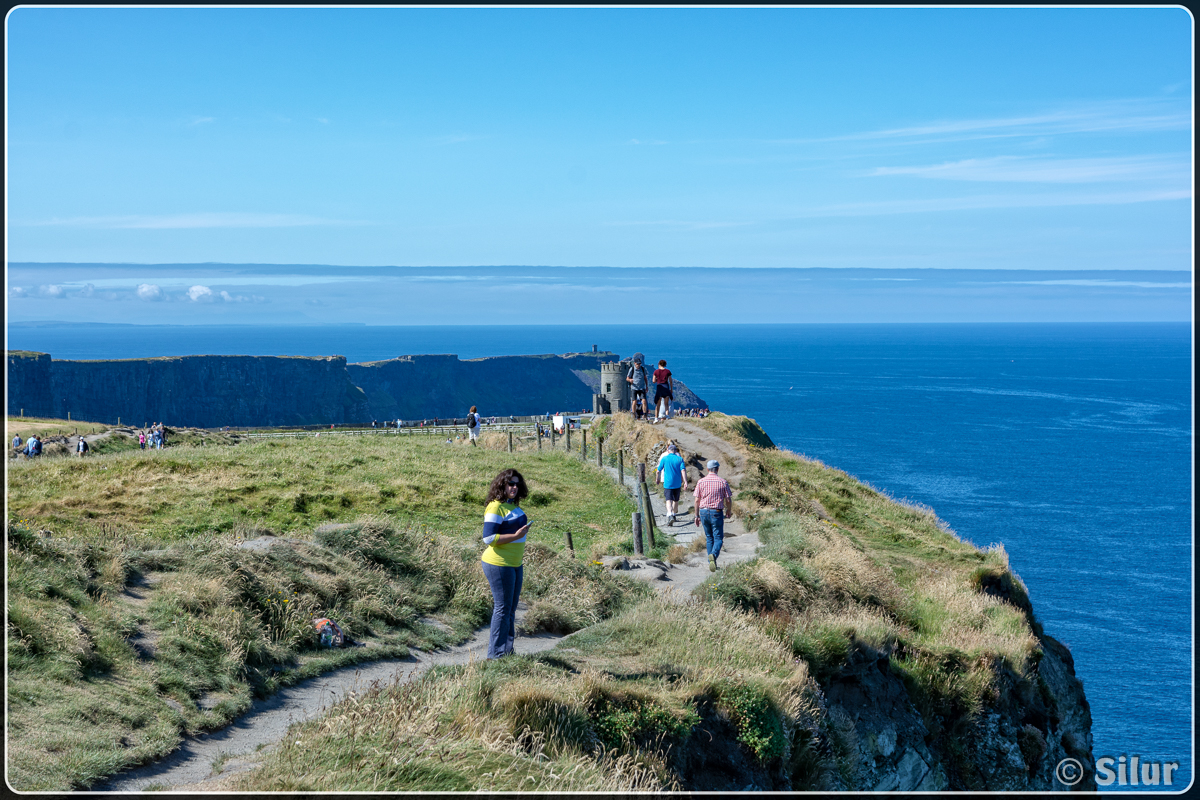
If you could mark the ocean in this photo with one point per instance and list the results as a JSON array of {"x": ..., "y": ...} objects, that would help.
[{"x": 1070, "y": 444}]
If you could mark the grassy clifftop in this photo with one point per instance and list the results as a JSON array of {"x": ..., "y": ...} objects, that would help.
[{"x": 867, "y": 647}]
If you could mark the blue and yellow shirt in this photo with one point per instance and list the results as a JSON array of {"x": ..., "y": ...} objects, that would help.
[{"x": 499, "y": 519}]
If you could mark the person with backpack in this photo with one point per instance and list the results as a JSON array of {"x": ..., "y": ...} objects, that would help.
[
  {"x": 473, "y": 424},
  {"x": 81, "y": 447},
  {"x": 639, "y": 384}
]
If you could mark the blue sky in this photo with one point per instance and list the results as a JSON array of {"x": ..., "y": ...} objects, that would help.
[{"x": 964, "y": 139}]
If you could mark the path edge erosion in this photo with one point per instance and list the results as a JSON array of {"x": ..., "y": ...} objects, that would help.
[{"x": 210, "y": 761}]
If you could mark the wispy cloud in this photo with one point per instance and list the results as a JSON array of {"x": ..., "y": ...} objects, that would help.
[
  {"x": 201, "y": 120},
  {"x": 151, "y": 292},
  {"x": 52, "y": 290},
  {"x": 647, "y": 141},
  {"x": 677, "y": 223},
  {"x": 1132, "y": 116},
  {"x": 1020, "y": 169},
  {"x": 1048, "y": 200},
  {"x": 196, "y": 220}
]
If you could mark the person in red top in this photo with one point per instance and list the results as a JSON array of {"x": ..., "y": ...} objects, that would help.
[
  {"x": 714, "y": 505},
  {"x": 663, "y": 392}
]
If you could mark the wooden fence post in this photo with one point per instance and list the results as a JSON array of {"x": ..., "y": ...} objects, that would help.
[
  {"x": 650, "y": 523},
  {"x": 570, "y": 542},
  {"x": 539, "y": 436},
  {"x": 568, "y": 436},
  {"x": 510, "y": 441},
  {"x": 621, "y": 467},
  {"x": 637, "y": 533},
  {"x": 583, "y": 446},
  {"x": 599, "y": 452}
]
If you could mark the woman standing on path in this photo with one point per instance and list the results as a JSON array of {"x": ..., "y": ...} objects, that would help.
[{"x": 504, "y": 529}]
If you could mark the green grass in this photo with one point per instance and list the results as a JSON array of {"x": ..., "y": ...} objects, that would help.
[
  {"x": 626, "y": 706},
  {"x": 225, "y": 623},
  {"x": 639, "y": 696}
]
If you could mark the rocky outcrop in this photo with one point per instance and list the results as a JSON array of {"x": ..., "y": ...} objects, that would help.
[
  {"x": 417, "y": 387},
  {"x": 1014, "y": 745}
]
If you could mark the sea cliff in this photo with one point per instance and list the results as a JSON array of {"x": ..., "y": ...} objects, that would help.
[
  {"x": 198, "y": 391},
  {"x": 249, "y": 391}
]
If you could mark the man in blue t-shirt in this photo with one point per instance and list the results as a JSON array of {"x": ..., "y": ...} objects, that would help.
[{"x": 672, "y": 474}]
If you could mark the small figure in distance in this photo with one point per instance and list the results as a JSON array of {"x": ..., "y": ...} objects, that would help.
[
  {"x": 714, "y": 505},
  {"x": 671, "y": 472},
  {"x": 663, "y": 392},
  {"x": 638, "y": 383},
  {"x": 16, "y": 442},
  {"x": 473, "y": 422},
  {"x": 81, "y": 447},
  {"x": 142, "y": 439},
  {"x": 505, "y": 527}
]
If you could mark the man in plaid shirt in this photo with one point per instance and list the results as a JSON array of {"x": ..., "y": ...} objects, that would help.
[{"x": 714, "y": 505}]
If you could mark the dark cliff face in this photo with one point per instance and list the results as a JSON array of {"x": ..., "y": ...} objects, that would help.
[
  {"x": 213, "y": 391},
  {"x": 202, "y": 391},
  {"x": 29, "y": 384}
]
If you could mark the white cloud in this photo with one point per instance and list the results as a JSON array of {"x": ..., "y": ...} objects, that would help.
[
  {"x": 88, "y": 290},
  {"x": 1051, "y": 170},
  {"x": 150, "y": 291},
  {"x": 17, "y": 291},
  {"x": 200, "y": 293},
  {"x": 201, "y": 120},
  {"x": 53, "y": 290}
]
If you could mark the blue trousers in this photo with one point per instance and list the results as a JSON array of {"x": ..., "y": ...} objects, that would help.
[
  {"x": 506, "y": 591},
  {"x": 713, "y": 522}
]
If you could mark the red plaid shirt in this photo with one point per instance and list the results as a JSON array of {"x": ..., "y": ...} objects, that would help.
[{"x": 712, "y": 491}]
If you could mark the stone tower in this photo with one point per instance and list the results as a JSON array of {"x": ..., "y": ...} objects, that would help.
[{"x": 614, "y": 391}]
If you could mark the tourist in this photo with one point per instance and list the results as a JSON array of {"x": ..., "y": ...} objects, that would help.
[
  {"x": 671, "y": 472},
  {"x": 663, "y": 392},
  {"x": 142, "y": 439},
  {"x": 33, "y": 447},
  {"x": 81, "y": 447},
  {"x": 16, "y": 443},
  {"x": 504, "y": 529},
  {"x": 714, "y": 504},
  {"x": 473, "y": 425},
  {"x": 638, "y": 383}
]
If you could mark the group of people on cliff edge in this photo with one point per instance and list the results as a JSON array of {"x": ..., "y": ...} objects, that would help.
[{"x": 639, "y": 384}]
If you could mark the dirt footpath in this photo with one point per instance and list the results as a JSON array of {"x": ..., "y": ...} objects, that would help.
[
  {"x": 678, "y": 580},
  {"x": 242, "y": 745}
]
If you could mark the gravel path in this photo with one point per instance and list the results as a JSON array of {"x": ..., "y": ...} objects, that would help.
[{"x": 242, "y": 745}]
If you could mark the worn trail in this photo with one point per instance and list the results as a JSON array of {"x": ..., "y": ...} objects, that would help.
[{"x": 209, "y": 762}]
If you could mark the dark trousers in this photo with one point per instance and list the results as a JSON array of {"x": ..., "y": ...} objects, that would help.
[{"x": 506, "y": 591}]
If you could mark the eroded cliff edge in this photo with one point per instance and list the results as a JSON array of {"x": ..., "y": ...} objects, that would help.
[{"x": 213, "y": 391}]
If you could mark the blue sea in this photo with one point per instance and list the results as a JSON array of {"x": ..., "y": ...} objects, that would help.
[{"x": 1070, "y": 444}]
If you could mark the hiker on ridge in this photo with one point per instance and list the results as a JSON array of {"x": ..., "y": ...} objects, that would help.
[
  {"x": 505, "y": 527},
  {"x": 473, "y": 423},
  {"x": 663, "y": 392},
  {"x": 671, "y": 472},
  {"x": 714, "y": 505},
  {"x": 639, "y": 384}
]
